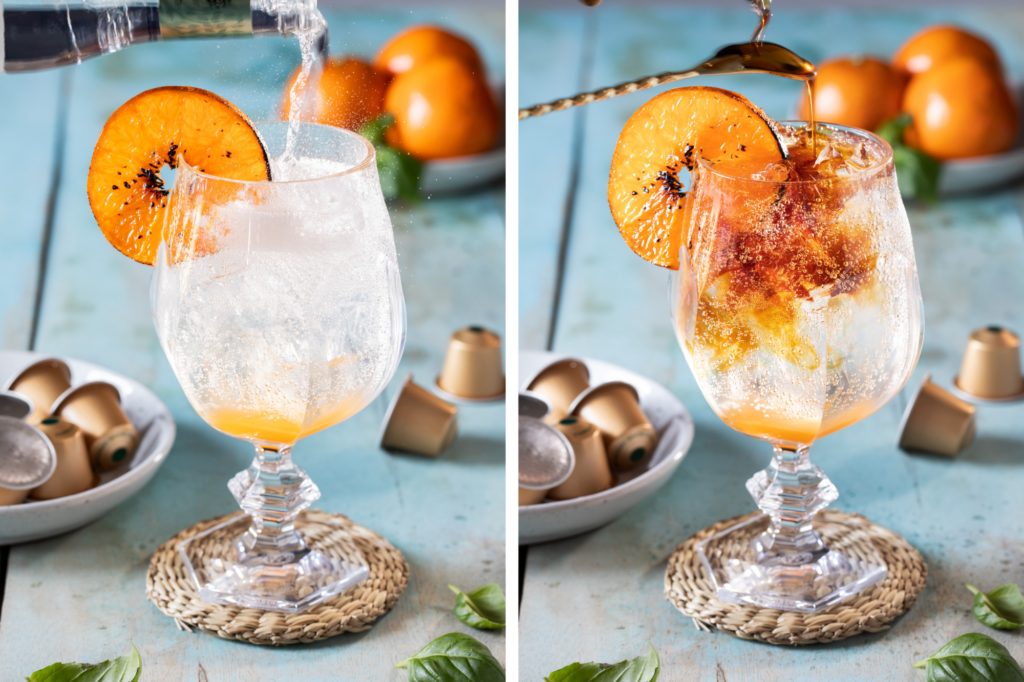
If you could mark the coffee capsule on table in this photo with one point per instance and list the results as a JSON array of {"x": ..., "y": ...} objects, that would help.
[
  {"x": 990, "y": 370},
  {"x": 533, "y": 405},
  {"x": 561, "y": 382},
  {"x": 95, "y": 407},
  {"x": 936, "y": 421},
  {"x": 43, "y": 382},
  {"x": 591, "y": 474},
  {"x": 74, "y": 469},
  {"x": 15, "y": 405},
  {"x": 472, "y": 366},
  {"x": 614, "y": 408},
  {"x": 418, "y": 421},
  {"x": 546, "y": 460},
  {"x": 27, "y": 460}
]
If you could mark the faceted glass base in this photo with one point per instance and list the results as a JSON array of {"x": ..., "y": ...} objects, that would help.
[
  {"x": 227, "y": 573},
  {"x": 742, "y": 573}
]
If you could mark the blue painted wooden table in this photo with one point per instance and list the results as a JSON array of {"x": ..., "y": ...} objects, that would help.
[
  {"x": 599, "y": 596},
  {"x": 80, "y": 597}
]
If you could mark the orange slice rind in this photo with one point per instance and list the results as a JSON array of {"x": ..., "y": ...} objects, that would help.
[
  {"x": 157, "y": 128},
  {"x": 660, "y": 140}
]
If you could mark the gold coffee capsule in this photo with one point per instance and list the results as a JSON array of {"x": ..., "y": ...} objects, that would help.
[
  {"x": 546, "y": 460},
  {"x": 936, "y": 421},
  {"x": 614, "y": 408},
  {"x": 27, "y": 460},
  {"x": 561, "y": 382},
  {"x": 43, "y": 382},
  {"x": 472, "y": 366},
  {"x": 991, "y": 365},
  {"x": 74, "y": 470},
  {"x": 591, "y": 474},
  {"x": 418, "y": 421},
  {"x": 95, "y": 407}
]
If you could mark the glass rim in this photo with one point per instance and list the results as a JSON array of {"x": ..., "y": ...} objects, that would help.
[
  {"x": 361, "y": 165},
  {"x": 886, "y": 160}
]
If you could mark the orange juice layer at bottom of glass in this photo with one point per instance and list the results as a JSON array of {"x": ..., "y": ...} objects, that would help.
[
  {"x": 266, "y": 425},
  {"x": 755, "y": 422}
]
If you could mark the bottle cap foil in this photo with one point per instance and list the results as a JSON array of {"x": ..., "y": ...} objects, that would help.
[
  {"x": 546, "y": 460},
  {"x": 27, "y": 460}
]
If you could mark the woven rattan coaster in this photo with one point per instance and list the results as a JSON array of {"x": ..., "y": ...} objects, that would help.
[
  {"x": 169, "y": 586},
  {"x": 688, "y": 588}
]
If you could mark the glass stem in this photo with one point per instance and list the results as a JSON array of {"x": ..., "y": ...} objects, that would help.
[
  {"x": 791, "y": 491},
  {"x": 273, "y": 491}
]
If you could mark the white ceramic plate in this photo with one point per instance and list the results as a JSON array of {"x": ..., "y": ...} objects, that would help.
[
  {"x": 467, "y": 172},
  {"x": 556, "y": 520},
  {"x": 966, "y": 176},
  {"x": 38, "y": 520}
]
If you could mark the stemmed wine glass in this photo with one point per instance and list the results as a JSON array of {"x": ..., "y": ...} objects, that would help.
[
  {"x": 280, "y": 308},
  {"x": 798, "y": 308}
]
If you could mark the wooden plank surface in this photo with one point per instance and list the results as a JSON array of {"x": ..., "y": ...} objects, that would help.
[
  {"x": 964, "y": 515},
  {"x": 28, "y": 138},
  {"x": 81, "y": 596}
]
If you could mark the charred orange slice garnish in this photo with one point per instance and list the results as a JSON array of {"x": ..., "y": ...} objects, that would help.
[
  {"x": 664, "y": 137},
  {"x": 155, "y": 129}
]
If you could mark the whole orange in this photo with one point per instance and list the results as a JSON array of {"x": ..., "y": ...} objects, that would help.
[
  {"x": 350, "y": 93},
  {"x": 960, "y": 109},
  {"x": 441, "y": 109},
  {"x": 941, "y": 43},
  {"x": 419, "y": 44},
  {"x": 862, "y": 92}
]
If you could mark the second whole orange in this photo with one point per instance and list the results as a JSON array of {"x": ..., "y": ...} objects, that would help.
[
  {"x": 350, "y": 93},
  {"x": 417, "y": 45},
  {"x": 938, "y": 44},
  {"x": 442, "y": 109},
  {"x": 960, "y": 109},
  {"x": 862, "y": 92}
]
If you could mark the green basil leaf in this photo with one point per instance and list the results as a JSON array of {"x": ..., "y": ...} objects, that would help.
[
  {"x": 483, "y": 608},
  {"x": 399, "y": 173},
  {"x": 454, "y": 657},
  {"x": 641, "y": 669},
  {"x": 917, "y": 174},
  {"x": 892, "y": 130},
  {"x": 971, "y": 658},
  {"x": 124, "y": 669},
  {"x": 1002, "y": 608},
  {"x": 58, "y": 672}
]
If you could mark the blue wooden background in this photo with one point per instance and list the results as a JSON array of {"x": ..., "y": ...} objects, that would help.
[
  {"x": 582, "y": 291},
  {"x": 81, "y": 596}
]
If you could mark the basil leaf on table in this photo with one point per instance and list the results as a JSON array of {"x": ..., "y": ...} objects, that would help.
[
  {"x": 399, "y": 173},
  {"x": 917, "y": 174},
  {"x": 483, "y": 608},
  {"x": 641, "y": 669},
  {"x": 454, "y": 657},
  {"x": 972, "y": 658},
  {"x": 1002, "y": 608},
  {"x": 124, "y": 669}
]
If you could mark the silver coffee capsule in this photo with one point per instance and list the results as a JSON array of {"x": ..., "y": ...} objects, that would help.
[
  {"x": 546, "y": 460},
  {"x": 15, "y": 405},
  {"x": 533, "y": 405},
  {"x": 27, "y": 460}
]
